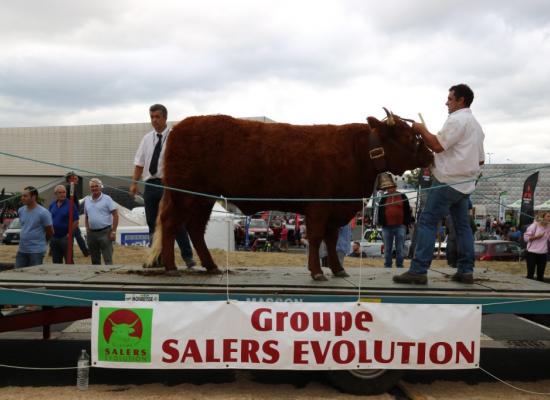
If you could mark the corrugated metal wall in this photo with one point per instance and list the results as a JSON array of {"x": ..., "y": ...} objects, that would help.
[
  {"x": 108, "y": 149},
  {"x": 487, "y": 191}
]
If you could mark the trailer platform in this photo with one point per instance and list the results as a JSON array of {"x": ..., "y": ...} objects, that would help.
[{"x": 59, "y": 285}]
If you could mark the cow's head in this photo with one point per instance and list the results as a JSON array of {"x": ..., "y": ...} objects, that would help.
[
  {"x": 123, "y": 330},
  {"x": 403, "y": 148}
]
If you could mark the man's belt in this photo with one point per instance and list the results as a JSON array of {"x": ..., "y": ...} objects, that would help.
[{"x": 101, "y": 229}]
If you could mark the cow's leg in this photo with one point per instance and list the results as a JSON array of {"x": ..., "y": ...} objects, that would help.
[
  {"x": 316, "y": 225},
  {"x": 169, "y": 230},
  {"x": 331, "y": 238},
  {"x": 196, "y": 227},
  {"x": 168, "y": 220}
]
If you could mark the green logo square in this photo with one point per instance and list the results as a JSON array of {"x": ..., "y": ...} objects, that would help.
[{"x": 125, "y": 334}]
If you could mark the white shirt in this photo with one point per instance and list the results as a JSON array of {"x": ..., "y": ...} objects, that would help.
[
  {"x": 462, "y": 140},
  {"x": 145, "y": 151}
]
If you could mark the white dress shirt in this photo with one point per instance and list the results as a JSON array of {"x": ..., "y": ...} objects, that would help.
[
  {"x": 145, "y": 153},
  {"x": 462, "y": 140}
]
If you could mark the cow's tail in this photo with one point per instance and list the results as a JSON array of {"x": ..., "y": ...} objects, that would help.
[{"x": 156, "y": 247}]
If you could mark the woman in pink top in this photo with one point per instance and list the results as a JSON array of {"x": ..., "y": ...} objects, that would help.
[{"x": 537, "y": 236}]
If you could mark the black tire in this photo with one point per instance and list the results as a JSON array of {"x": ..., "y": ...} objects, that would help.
[{"x": 364, "y": 381}]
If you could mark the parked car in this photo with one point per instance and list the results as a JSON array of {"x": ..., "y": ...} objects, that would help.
[
  {"x": 372, "y": 243},
  {"x": 497, "y": 250},
  {"x": 256, "y": 230},
  {"x": 11, "y": 235}
]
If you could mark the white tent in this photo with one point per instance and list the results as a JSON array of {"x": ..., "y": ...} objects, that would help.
[
  {"x": 133, "y": 230},
  {"x": 544, "y": 206},
  {"x": 516, "y": 205},
  {"x": 217, "y": 231}
]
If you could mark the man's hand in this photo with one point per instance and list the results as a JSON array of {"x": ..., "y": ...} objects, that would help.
[
  {"x": 431, "y": 140},
  {"x": 420, "y": 128},
  {"x": 133, "y": 189},
  {"x": 136, "y": 176}
]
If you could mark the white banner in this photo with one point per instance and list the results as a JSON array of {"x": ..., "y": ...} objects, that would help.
[{"x": 250, "y": 335}]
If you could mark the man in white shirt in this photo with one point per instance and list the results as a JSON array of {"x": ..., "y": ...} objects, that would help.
[
  {"x": 459, "y": 153},
  {"x": 149, "y": 165}
]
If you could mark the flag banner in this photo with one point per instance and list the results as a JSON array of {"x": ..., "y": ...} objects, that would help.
[
  {"x": 527, "y": 210},
  {"x": 301, "y": 336}
]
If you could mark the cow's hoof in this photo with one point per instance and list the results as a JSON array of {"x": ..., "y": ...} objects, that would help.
[
  {"x": 214, "y": 271},
  {"x": 154, "y": 265},
  {"x": 319, "y": 277},
  {"x": 172, "y": 272},
  {"x": 341, "y": 274}
]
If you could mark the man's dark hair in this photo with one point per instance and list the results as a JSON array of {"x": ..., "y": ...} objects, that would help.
[
  {"x": 463, "y": 90},
  {"x": 357, "y": 243},
  {"x": 32, "y": 191},
  {"x": 159, "y": 107}
]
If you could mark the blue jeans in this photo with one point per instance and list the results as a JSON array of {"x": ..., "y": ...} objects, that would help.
[
  {"x": 28, "y": 259},
  {"x": 389, "y": 234},
  {"x": 151, "y": 198},
  {"x": 443, "y": 200}
]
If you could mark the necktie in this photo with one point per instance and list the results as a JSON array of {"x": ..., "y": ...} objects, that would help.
[{"x": 154, "y": 166}]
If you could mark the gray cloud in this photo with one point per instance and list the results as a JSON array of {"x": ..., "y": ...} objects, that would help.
[{"x": 330, "y": 61}]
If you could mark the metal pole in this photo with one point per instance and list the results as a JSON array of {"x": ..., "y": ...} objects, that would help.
[{"x": 70, "y": 237}]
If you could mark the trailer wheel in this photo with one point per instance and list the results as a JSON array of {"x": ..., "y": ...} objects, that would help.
[{"x": 364, "y": 381}]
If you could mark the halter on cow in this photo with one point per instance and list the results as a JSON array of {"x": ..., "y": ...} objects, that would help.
[{"x": 255, "y": 160}]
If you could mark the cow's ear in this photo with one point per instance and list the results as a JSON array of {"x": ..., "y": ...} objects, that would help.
[
  {"x": 373, "y": 122},
  {"x": 379, "y": 127}
]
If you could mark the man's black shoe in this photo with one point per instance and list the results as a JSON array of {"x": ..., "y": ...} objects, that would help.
[
  {"x": 409, "y": 277},
  {"x": 190, "y": 263},
  {"x": 463, "y": 278}
]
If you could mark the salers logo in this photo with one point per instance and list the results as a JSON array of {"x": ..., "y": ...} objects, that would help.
[{"x": 125, "y": 334}]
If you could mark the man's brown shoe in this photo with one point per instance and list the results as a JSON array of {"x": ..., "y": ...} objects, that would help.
[
  {"x": 409, "y": 277},
  {"x": 463, "y": 278}
]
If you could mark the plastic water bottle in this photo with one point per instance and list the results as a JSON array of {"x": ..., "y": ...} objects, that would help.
[{"x": 83, "y": 371}]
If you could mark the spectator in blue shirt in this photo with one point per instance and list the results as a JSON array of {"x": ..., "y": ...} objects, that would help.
[
  {"x": 343, "y": 244},
  {"x": 101, "y": 223},
  {"x": 514, "y": 235},
  {"x": 36, "y": 229},
  {"x": 59, "y": 209}
]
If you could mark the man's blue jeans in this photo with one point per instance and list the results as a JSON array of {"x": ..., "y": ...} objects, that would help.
[
  {"x": 443, "y": 200},
  {"x": 389, "y": 234},
  {"x": 28, "y": 259}
]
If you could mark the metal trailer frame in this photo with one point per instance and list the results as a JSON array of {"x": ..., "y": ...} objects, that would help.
[{"x": 66, "y": 292}]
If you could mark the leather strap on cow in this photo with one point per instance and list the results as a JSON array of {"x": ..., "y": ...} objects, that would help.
[{"x": 377, "y": 154}]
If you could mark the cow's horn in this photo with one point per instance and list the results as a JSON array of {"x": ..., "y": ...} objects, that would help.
[
  {"x": 112, "y": 323},
  {"x": 391, "y": 120},
  {"x": 133, "y": 323}
]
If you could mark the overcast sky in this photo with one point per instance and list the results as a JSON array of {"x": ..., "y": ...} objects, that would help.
[{"x": 304, "y": 62}]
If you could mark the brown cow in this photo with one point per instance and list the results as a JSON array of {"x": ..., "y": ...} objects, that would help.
[{"x": 236, "y": 158}]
